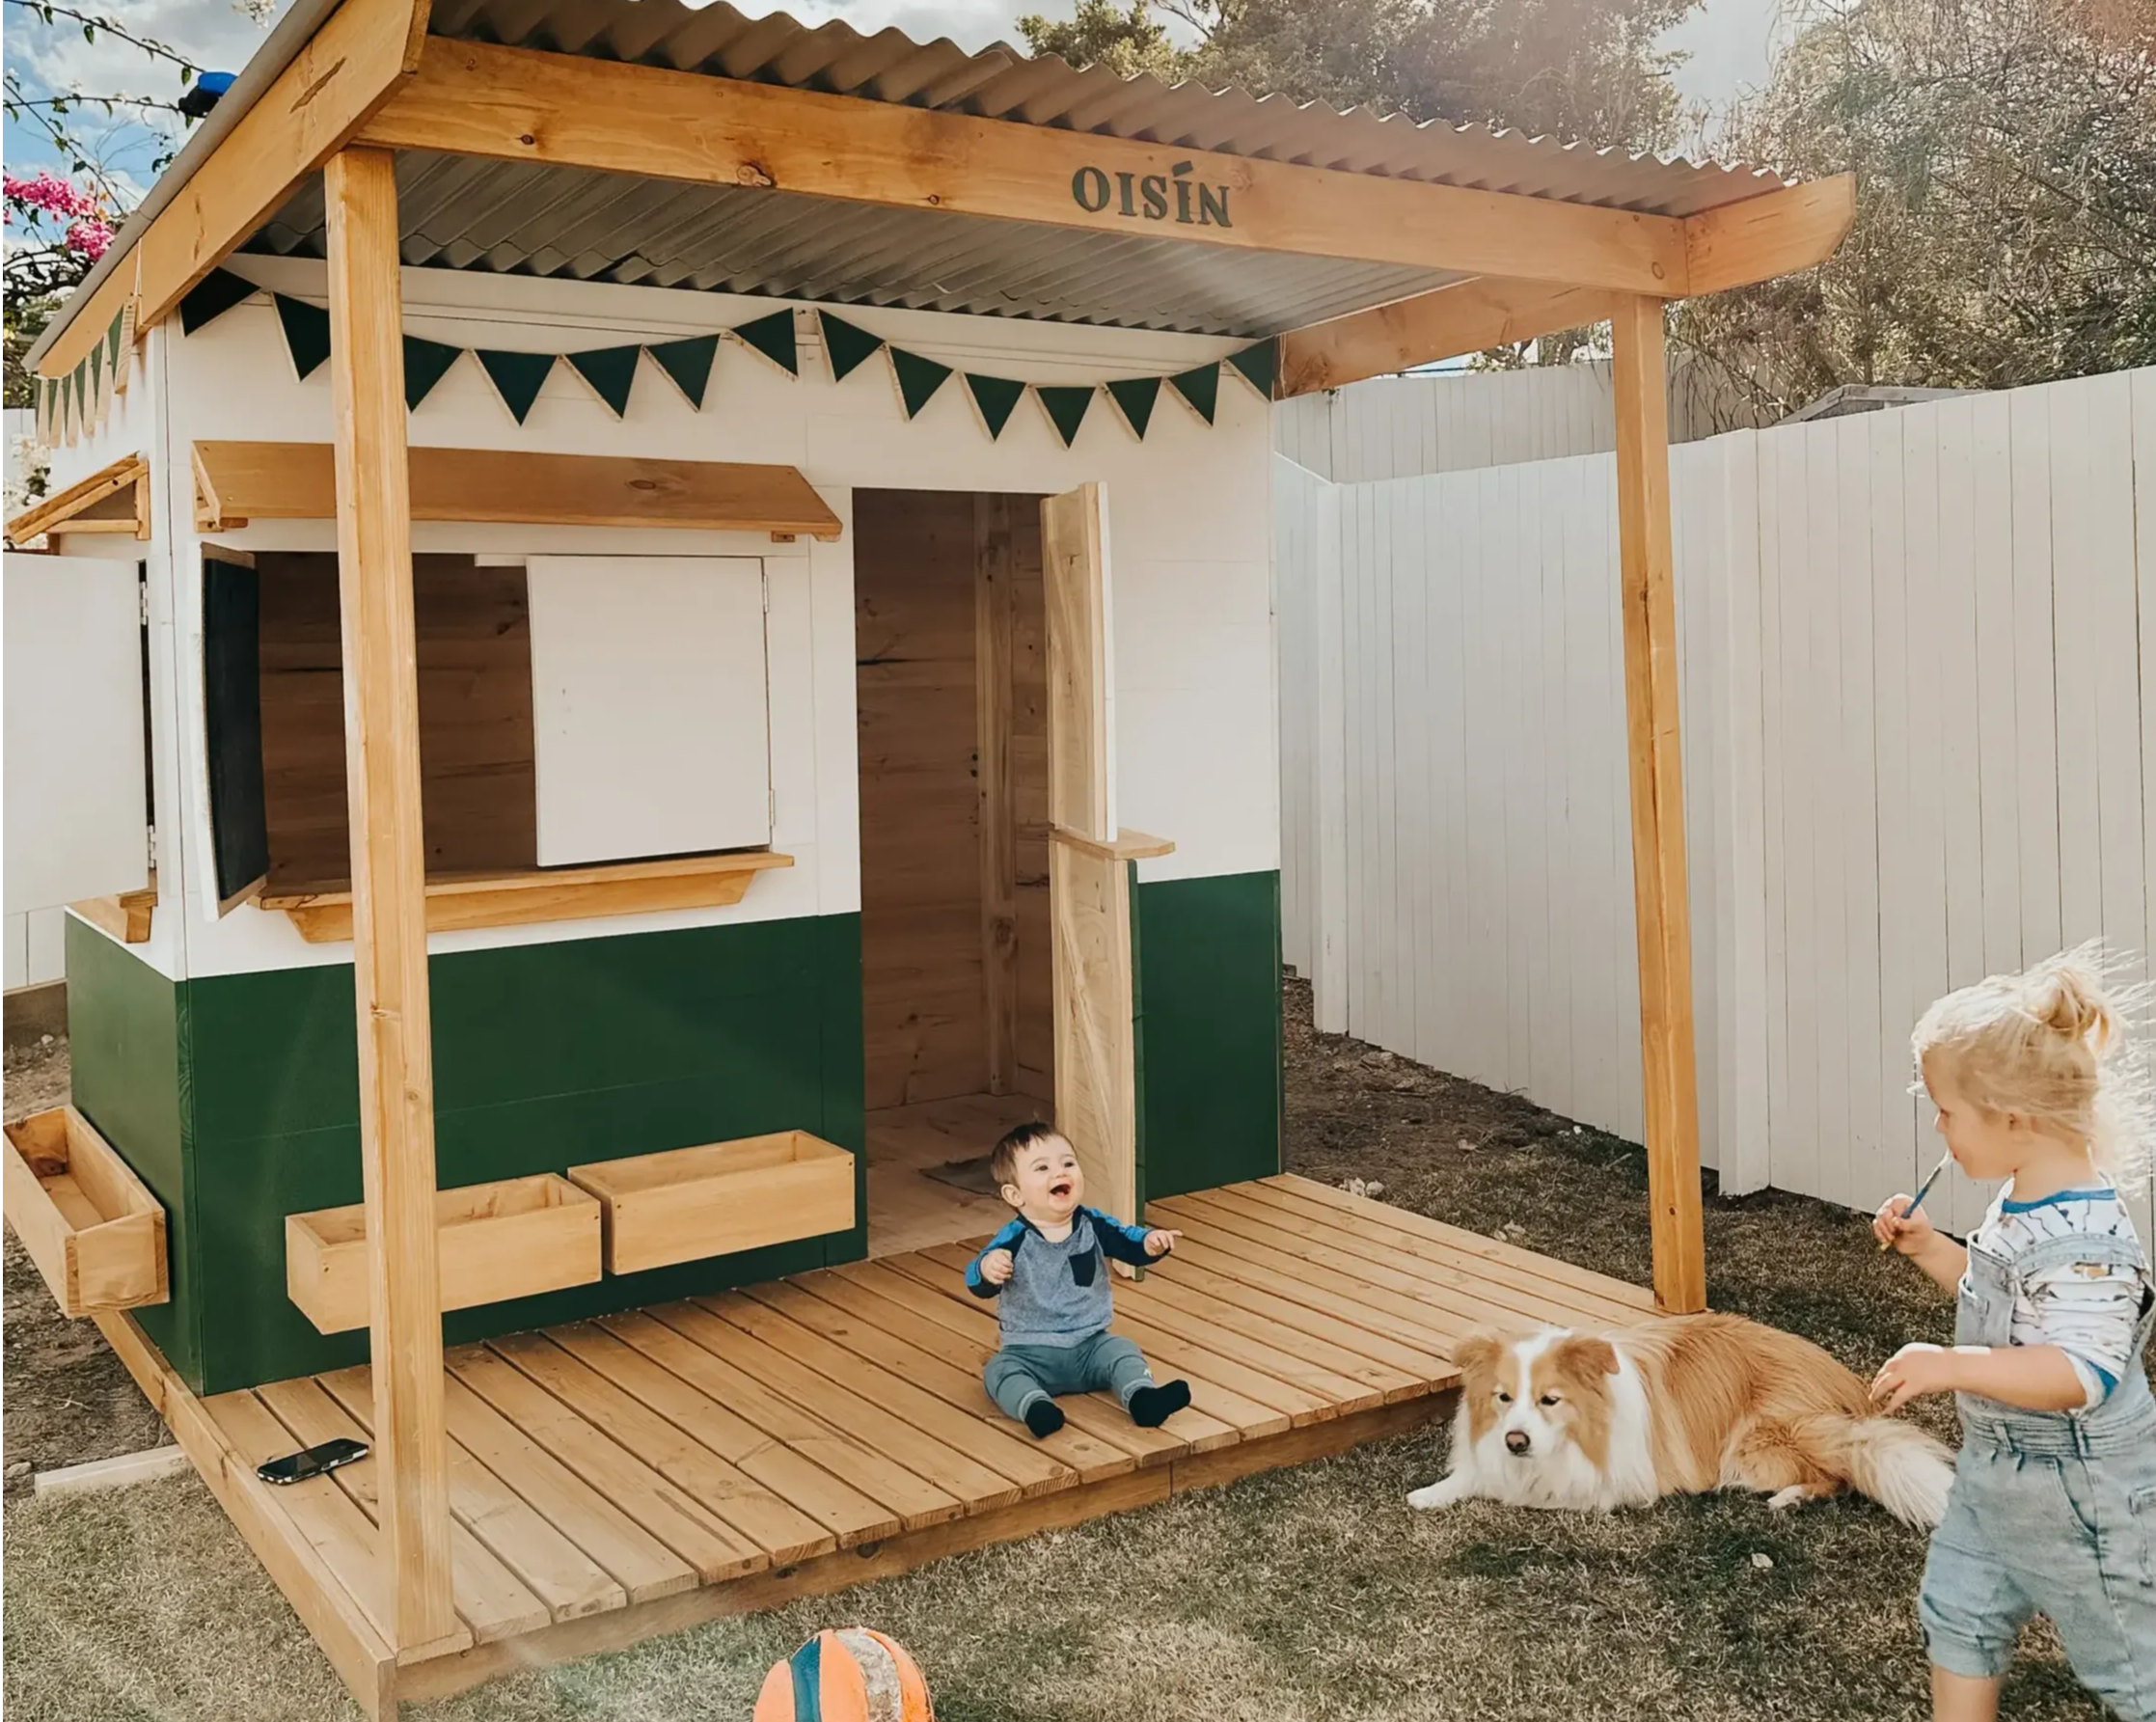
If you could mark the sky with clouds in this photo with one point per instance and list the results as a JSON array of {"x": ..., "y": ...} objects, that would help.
[{"x": 1729, "y": 43}]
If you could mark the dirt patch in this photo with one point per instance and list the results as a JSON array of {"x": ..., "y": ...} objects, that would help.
[{"x": 69, "y": 1399}]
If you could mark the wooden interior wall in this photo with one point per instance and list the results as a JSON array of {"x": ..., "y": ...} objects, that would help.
[
  {"x": 918, "y": 559},
  {"x": 478, "y": 785}
]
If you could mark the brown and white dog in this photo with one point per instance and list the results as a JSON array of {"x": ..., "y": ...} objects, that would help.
[{"x": 1680, "y": 1405}]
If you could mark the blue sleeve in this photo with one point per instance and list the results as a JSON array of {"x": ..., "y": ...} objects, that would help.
[
  {"x": 1118, "y": 1241},
  {"x": 1009, "y": 1237}
]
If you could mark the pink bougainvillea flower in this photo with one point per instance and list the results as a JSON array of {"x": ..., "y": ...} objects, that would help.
[
  {"x": 49, "y": 195},
  {"x": 88, "y": 238}
]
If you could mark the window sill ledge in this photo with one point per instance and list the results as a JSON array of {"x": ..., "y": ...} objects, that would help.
[{"x": 461, "y": 901}]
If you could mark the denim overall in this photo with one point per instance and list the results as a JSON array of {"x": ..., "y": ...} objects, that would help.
[{"x": 2052, "y": 1513}]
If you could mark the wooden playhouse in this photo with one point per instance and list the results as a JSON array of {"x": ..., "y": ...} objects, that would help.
[{"x": 690, "y": 595}]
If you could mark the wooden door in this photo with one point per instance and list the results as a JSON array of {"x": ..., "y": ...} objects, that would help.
[{"x": 1089, "y": 877}]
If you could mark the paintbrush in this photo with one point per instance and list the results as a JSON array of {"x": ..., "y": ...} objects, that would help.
[{"x": 1945, "y": 1161}]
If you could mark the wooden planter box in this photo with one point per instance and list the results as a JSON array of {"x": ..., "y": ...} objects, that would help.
[
  {"x": 494, "y": 1241},
  {"x": 96, "y": 1232},
  {"x": 690, "y": 1203}
]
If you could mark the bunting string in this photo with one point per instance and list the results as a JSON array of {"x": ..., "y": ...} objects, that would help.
[{"x": 69, "y": 406}]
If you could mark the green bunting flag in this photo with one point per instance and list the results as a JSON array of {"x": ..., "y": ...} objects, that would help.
[
  {"x": 996, "y": 397},
  {"x": 918, "y": 379},
  {"x": 1259, "y": 365},
  {"x": 209, "y": 298},
  {"x": 115, "y": 333},
  {"x": 772, "y": 337},
  {"x": 306, "y": 333},
  {"x": 1136, "y": 396},
  {"x": 517, "y": 378},
  {"x": 847, "y": 348},
  {"x": 1066, "y": 407},
  {"x": 689, "y": 364},
  {"x": 610, "y": 371},
  {"x": 426, "y": 363},
  {"x": 1201, "y": 388}
]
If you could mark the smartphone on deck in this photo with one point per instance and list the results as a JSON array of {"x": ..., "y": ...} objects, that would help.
[{"x": 296, "y": 1467}]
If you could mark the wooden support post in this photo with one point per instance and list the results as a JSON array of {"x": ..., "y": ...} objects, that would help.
[
  {"x": 1658, "y": 881},
  {"x": 995, "y": 652},
  {"x": 389, "y": 892},
  {"x": 1089, "y": 880}
]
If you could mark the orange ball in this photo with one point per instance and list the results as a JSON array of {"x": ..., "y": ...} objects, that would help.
[{"x": 852, "y": 1675}]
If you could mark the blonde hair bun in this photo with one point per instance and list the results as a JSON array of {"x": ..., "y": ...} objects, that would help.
[{"x": 2066, "y": 994}]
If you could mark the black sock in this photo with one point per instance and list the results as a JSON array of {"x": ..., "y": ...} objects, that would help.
[
  {"x": 1152, "y": 1406},
  {"x": 1043, "y": 1417}
]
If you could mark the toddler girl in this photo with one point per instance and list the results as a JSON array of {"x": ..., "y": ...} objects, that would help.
[{"x": 2054, "y": 1502}]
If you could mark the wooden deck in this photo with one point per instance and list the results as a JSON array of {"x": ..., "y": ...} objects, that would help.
[{"x": 632, "y": 1476}]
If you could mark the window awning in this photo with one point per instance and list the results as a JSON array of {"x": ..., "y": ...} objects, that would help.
[
  {"x": 238, "y": 482},
  {"x": 114, "y": 499}
]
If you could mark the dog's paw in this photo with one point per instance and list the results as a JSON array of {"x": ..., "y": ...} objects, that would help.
[
  {"x": 1436, "y": 1495},
  {"x": 1795, "y": 1496}
]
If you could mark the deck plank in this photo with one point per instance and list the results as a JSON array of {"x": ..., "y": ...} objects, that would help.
[
  {"x": 1355, "y": 1382},
  {"x": 645, "y": 1566},
  {"x": 1477, "y": 1306},
  {"x": 965, "y": 1339},
  {"x": 1407, "y": 1362},
  {"x": 850, "y": 1516},
  {"x": 560, "y": 1574},
  {"x": 1595, "y": 1299},
  {"x": 1548, "y": 1270},
  {"x": 1022, "y": 1468},
  {"x": 675, "y": 1345},
  {"x": 488, "y": 1597},
  {"x": 1371, "y": 1308},
  {"x": 785, "y": 1534},
  {"x": 819, "y": 1302}
]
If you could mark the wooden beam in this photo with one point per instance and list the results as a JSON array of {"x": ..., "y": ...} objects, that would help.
[
  {"x": 515, "y": 104},
  {"x": 389, "y": 891},
  {"x": 1662, "y": 906},
  {"x": 1465, "y": 317},
  {"x": 1790, "y": 227},
  {"x": 366, "y": 49},
  {"x": 994, "y": 654},
  {"x": 1081, "y": 728},
  {"x": 237, "y": 483}
]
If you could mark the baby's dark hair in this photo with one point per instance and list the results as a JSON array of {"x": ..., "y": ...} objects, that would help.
[{"x": 1002, "y": 1159}]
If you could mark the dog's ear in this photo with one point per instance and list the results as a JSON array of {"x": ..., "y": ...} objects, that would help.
[
  {"x": 1586, "y": 1357},
  {"x": 1476, "y": 1355}
]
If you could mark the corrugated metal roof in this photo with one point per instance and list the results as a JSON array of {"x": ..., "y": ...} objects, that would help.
[
  {"x": 465, "y": 213},
  {"x": 462, "y": 212},
  {"x": 1001, "y": 83}
]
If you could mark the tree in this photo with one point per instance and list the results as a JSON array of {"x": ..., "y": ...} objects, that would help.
[
  {"x": 1586, "y": 70},
  {"x": 1582, "y": 71},
  {"x": 59, "y": 225},
  {"x": 2006, "y": 232}
]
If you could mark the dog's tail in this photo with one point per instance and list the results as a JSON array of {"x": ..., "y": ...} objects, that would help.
[{"x": 1897, "y": 1465}]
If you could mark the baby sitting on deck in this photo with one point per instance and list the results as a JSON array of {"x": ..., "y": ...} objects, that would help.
[{"x": 1046, "y": 1265}]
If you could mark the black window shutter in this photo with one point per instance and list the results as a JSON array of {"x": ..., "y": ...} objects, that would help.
[{"x": 232, "y": 705}]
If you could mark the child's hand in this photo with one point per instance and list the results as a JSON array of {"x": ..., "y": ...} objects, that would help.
[
  {"x": 1911, "y": 1372},
  {"x": 1896, "y": 1228},
  {"x": 1158, "y": 1244},
  {"x": 996, "y": 1267}
]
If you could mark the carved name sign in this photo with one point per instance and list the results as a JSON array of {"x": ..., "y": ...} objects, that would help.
[{"x": 1150, "y": 197}]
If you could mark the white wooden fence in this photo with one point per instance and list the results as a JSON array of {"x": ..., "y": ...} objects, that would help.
[
  {"x": 1450, "y": 421},
  {"x": 1920, "y": 747}
]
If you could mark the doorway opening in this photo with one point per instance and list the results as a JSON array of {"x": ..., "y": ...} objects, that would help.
[{"x": 957, "y": 1002}]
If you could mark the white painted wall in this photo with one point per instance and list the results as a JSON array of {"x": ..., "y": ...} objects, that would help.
[
  {"x": 1190, "y": 535},
  {"x": 1919, "y": 715}
]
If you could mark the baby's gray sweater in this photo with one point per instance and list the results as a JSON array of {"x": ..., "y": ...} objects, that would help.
[{"x": 1058, "y": 1293}]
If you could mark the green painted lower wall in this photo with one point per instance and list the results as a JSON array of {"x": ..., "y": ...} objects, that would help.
[
  {"x": 237, "y": 1097},
  {"x": 1207, "y": 987},
  {"x": 545, "y": 1056},
  {"x": 127, "y": 1043}
]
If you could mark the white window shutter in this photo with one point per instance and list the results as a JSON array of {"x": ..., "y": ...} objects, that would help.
[
  {"x": 650, "y": 710},
  {"x": 77, "y": 813}
]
